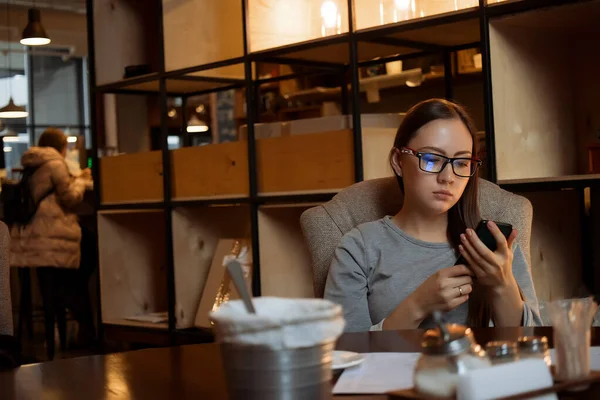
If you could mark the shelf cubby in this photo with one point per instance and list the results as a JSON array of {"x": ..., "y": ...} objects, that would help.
[
  {"x": 129, "y": 171},
  {"x": 126, "y": 33},
  {"x": 545, "y": 85},
  {"x": 133, "y": 273},
  {"x": 556, "y": 251},
  {"x": 274, "y": 23},
  {"x": 212, "y": 28},
  {"x": 370, "y": 14},
  {"x": 196, "y": 232},
  {"x": 285, "y": 266}
]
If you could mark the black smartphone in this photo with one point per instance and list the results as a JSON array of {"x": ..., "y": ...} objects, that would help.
[{"x": 484, "y": 234}]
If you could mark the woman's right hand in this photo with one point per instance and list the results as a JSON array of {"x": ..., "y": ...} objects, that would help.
[
  {"x": 443, "y": 291},
  {"x": 86, "y": 173}
]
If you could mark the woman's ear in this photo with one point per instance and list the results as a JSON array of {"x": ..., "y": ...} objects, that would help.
[{"x": 395, "y": 161}]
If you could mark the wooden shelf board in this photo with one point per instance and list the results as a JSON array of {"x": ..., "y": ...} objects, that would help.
[
  {"x": 126, "y": 322},
  {"x": 448, "y": 34},
  {"x": 510, "y": 8},
  {"x": 127, "y": 82},
  {"x": 299, "y": 192},
  {"x": 235, "y": 197},
  {"x": 567, "y": 17},
  {"x": 151, "y": 84},
  {"x": 130, "y": 211},
  {"x": 291, "y": 205},
  {"x": 551, "y": 179}
]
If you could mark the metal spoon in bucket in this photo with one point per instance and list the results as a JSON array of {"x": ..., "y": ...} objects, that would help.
[{"x": 237, "y": 276}]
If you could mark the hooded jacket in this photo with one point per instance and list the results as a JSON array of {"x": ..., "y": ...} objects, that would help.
[{"x": 52, "y": 238}]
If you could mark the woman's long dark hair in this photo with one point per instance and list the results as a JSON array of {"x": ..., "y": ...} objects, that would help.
[{"x": 465, "y": 213}]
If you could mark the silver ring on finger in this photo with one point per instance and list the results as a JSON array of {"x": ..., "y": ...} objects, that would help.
[{"x": 460, "y": 291}]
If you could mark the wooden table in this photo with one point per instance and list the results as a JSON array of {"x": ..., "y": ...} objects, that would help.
[{"x": 187, "y": 372}]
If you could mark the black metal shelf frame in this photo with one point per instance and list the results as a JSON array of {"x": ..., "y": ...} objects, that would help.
[{"x": 350, "y": 103}]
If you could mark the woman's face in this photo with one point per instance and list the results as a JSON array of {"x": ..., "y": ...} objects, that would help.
[{"x": 434, "y": 193}]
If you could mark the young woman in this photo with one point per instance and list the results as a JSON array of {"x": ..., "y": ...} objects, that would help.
[
  {"x": 394, "y": 272},
  {"x": 50, "y": 243}
]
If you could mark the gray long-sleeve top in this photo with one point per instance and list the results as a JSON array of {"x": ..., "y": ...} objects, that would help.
[{"x": 377, "y": 265}]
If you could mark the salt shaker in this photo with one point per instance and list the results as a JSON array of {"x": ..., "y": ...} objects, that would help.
[
  {"x": 448, "y": 351},
  {"x": 534, "y": 347},
  {"x": 502, "y": 351}
]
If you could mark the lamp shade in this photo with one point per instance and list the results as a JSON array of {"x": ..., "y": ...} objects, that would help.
[
  {"x": 11, "y": 110},
  {"x": 34, "y": 33},
  {"x": 195, "y": 125}
]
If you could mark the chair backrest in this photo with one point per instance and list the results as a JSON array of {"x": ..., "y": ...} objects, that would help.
[
  {"x": 6, "y": 324},
  {"x": 325, "y": 225}
]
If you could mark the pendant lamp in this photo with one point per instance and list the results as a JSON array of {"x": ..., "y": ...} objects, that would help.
[
  {"x": 34, "y": 33},
  {"x": 195, "y": 125},
  {"x": 11, "y": 110}
]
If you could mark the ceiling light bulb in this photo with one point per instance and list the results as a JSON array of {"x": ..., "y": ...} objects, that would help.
[
  {"x": 329, "y": 13},
  {"x": 72, "y": 139},
  {"x": 7, "y": 149}
]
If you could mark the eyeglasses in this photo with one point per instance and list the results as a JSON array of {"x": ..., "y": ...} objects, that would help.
[{"x": 435, "y": 163}]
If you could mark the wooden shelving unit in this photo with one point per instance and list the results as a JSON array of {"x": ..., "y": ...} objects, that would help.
[{"x": 162, "y": 211}]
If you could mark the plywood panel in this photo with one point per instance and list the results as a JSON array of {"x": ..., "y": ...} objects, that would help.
[
  {"x": 132, "y": 123},
  {"x": 123, "y": 31},
  {"x": 198, "y": 32},
  {"x": 285, "y": 267},
  {"x": 376, "y": 145},
  {"x": 274, "y": 23},
  {"x": 213, "y": 170},
  {"x": 316, "y": 161},
  {"x": 196, "y": 232},
  {"x": 132, "y": 264},
  {"x": 533, "y": 96},
  {"x": 132, "y": 178},
  {"x": 556, "y": 244},
  {"x": 585, "y": 66}
]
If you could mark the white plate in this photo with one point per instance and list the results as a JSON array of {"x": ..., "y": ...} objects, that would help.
[{"x": 346, "y": 359}]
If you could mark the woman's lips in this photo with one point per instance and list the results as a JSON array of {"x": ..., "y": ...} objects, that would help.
[{"x": 443, "y": 194}]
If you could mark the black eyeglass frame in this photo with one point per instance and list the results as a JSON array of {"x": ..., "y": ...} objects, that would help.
[{"x": 449, "y": 160}]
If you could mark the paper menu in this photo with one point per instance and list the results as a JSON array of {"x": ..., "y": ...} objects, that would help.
[{"x": 379, "y": 373}]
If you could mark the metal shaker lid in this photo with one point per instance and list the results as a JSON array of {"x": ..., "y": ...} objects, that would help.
[
  {"x": 447, "y": 339},
  {"x": 533, "y": 343},
  {"x": 501, "y": 348}
]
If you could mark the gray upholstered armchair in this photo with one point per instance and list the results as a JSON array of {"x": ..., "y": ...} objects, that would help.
[
  {"x": 323, "y": 226},
  {"x": 6, "y": 323}
]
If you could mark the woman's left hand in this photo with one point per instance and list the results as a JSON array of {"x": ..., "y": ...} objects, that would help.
[{"x": 493, "y": 269}]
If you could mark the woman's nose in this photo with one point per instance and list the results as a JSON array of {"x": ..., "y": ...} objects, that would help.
[{"x": 446, "y": 174}]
